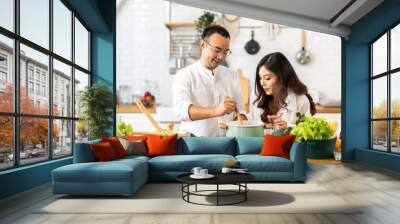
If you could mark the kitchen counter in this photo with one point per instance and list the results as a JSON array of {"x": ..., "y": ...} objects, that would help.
[
  {"x": 162, "y": 115},
  {"x": 328, "y": 109},
  {"x": 132, "y": 108}
]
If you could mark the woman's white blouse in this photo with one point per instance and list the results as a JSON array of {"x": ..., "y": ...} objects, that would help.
[{"x": 295, "y": 103}]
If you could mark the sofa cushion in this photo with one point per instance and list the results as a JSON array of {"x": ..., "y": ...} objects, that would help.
[
  {"x": 160, "y": 145},
  {"x": 103, "y": 152},
  {"x": 130, "y": 158},
  {"x": 116, "y": 145},
  {"x": 185, "y": 163},
  {"x": 206, "y": 145},
  {"x": 249, "y": 145},
  {"x": 137, "y": 147},
  {"x": 83, "y": 152},
  {"x": 257, "y": 163},
  {"x": 112, "y": 171},
  {"x": 277, "y": 145}
]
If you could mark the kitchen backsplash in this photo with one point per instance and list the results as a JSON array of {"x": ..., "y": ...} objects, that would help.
[{"x": 143, "y": 56}]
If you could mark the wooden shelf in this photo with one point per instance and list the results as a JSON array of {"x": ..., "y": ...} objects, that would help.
[
  {"x": 130, "y": 108},
  {"x": 171, "y": 25},
  {"x": 328, "y": 109}
]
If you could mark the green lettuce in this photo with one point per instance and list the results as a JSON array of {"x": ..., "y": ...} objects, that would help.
[
  {"x": 312, "y": 128},
  {"x": 124, "y": 129}
]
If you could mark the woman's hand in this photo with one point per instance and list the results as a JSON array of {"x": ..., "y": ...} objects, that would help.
[{"x": 277, "y": 120}]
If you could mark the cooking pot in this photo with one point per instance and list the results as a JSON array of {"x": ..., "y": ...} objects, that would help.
[{"x": 247, "y": 129}]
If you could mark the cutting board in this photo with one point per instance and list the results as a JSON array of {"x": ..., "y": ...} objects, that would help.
[{"x": 244, "y": 88}]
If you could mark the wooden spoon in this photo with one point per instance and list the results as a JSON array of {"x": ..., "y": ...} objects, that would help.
[{"x": 239, "y": 117}]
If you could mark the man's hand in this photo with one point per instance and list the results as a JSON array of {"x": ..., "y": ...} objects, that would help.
[{"x": 227, "y": 106}]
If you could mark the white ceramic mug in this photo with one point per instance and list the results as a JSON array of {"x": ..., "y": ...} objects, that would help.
[
  {"x": 226, "y": 170},
  {"x": 196, "y": 170},
  {"x": 203, "y": 172}
]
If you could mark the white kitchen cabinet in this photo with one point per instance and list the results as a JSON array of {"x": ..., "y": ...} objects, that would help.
[{"x": 139, "y": 121}]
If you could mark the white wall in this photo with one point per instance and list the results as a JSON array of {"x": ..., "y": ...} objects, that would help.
[
  {"x": 142, "y": 41},
  {"x": 322, "y": 73},
  {"x": 142, "y": 49}
]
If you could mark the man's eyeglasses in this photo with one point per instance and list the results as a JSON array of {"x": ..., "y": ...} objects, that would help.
[{"x": 218, "y": 50}]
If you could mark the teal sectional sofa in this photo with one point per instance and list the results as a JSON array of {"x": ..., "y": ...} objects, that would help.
[{"x": 125, "y": 176}]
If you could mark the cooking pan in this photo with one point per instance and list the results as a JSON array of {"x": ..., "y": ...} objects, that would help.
[{"x": 252, "y": 46}]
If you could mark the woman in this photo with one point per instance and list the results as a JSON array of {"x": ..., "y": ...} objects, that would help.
[{"x": 279, "y": 94}]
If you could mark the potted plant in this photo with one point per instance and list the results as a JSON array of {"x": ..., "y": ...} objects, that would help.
[
  {"x": 96, "y": 102},
  {"x": 204, "y": 21},
  {"x": 318, "y": 135}
]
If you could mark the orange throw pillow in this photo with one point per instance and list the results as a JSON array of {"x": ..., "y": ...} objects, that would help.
[
  {"x": 277, "y": 145},
  {"x": 161, "y": 146},
  {"x": 116, "y": 145},
  {"x": 136, "y": 137},
  {"x": 103, "y": 152}
]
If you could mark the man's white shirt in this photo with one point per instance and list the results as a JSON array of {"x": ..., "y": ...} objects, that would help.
[{"x": 197, "y": 85}]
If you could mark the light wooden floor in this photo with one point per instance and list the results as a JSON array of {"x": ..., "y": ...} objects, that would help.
[{"x": 379, "y": 189}]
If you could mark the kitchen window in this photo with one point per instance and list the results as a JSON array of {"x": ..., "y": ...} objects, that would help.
[
  {"x": 385, "y": 96},
  {"x": 54, "y": 35}
]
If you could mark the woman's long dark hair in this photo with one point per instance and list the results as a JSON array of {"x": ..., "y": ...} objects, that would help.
[{"x": 287, "y": 79}]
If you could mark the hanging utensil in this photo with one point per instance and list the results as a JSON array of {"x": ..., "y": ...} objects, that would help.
[
  {"x": 252, "y": 46},
  {"x": 303, "y": 56}
]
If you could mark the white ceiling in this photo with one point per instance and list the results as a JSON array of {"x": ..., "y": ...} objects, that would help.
[
  {"x": 324, "y": 16},
  {"x": 320, "y": 9}
]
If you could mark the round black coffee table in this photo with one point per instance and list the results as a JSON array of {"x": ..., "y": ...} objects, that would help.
[{"x": 238, "y": 179}]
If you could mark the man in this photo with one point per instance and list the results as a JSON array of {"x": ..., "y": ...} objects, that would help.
[{"x": 206, "y": 93}]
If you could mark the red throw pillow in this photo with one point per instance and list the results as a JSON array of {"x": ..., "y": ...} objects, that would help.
[
  {"x": 116, "y": 145},
  {"x": 161, "y": 146},
  {"x": 103, "y": 152},
  {"x": 277, "y": 145}
]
